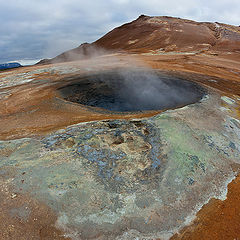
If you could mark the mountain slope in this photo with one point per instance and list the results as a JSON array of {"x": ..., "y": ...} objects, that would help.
[{"x": 160, "y": 35}]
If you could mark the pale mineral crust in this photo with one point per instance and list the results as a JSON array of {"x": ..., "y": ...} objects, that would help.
[{"x": 69, "y": 171}]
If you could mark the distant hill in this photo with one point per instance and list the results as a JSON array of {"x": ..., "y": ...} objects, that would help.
[
  {"x": 9, "y": 65},
  {"x": 160, "y": 35}
]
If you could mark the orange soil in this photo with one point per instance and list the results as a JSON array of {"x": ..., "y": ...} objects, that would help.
[
  {"x": 24, "y": 218},
  {"x": 36, "y": 110},
  {"x": 30, "y": 111},
  {"x": 217, "y": 220}
]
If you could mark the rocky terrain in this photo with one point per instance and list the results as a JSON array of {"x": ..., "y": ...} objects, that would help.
[
  {"x": 159, "y": 35},
  {"x": 88, "y": 150}
]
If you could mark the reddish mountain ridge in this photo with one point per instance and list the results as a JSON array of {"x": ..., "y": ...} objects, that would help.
[{"x": 159, "y": 35}]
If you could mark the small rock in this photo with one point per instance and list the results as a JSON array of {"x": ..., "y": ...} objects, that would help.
[{"x": 13, "y": 195}]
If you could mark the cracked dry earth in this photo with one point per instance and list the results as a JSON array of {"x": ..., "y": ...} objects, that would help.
[{"x": 68, "y": 171}]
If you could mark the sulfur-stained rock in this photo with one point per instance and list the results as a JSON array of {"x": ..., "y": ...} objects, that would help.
[{"x": 149, "y": 175}]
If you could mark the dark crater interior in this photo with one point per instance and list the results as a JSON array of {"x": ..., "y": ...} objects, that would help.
[{"x": 131, "y": 91}]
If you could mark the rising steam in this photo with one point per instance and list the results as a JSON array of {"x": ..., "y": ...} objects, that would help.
[{"x": 132, "y": 90}]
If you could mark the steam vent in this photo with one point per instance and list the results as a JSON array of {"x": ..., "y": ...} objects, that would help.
[
  {"x": 128, "y": 90},
  {"x": 125, "y": 138}
]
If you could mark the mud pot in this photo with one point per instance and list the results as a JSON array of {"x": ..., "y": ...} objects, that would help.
[{"x": 131, "y": 91}]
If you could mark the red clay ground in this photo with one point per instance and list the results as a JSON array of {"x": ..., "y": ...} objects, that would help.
[
  {"x": 32, "y": 111},
  {"x": 214, "y": 62},
  {"x": 218, "y": 219}
]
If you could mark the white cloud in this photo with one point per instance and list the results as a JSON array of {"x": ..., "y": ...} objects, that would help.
[{"x": 35, "y": 29}]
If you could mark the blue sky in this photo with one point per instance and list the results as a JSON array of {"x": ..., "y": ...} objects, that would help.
[{"x": 34, "y": 29}]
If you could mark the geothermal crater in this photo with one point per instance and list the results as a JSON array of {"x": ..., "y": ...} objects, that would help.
[{"x": 132, "y": 90}]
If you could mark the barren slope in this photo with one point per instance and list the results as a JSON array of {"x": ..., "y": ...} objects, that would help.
[
  {"x": 123, "y": 175},
  {"x": 159, "y": 35}
]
